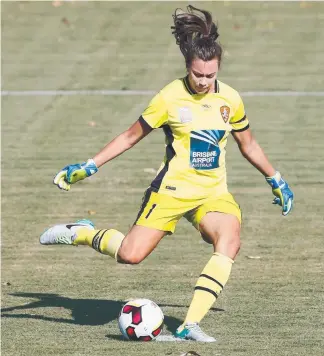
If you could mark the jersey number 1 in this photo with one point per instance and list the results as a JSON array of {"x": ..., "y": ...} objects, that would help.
[{"x": 150, "y": 212}]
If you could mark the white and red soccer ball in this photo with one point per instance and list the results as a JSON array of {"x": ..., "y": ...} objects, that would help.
[{"x": 140, "y": 320}]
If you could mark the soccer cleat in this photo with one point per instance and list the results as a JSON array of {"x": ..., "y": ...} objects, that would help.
[
  {"x": 64, "y": 234},
  {"x": 193, "y": 332}
]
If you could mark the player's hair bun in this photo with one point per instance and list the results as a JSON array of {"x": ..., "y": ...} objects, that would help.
[{"x": 194, "y": 30}]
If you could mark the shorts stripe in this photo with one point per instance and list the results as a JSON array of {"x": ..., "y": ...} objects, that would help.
[{"x": 146, "y": 199}]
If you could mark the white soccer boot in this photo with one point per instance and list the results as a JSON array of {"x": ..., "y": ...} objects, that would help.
[
  {"x": 193, "y": 332},
  {"x": 65, "y": 233}
]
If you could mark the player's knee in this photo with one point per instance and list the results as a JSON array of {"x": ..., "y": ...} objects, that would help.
[
  {"x": 130, "y": 257},
  {"x": 131, "y": 261},
  {"x": 228, "y": 246}
]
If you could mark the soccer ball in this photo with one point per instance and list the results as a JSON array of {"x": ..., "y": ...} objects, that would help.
[{"x": 141, "y": 320}]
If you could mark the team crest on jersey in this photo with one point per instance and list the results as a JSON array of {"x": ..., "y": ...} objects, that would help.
[
  {"x": 225, "y": 112},
  {"x": 185, "y": 115}
]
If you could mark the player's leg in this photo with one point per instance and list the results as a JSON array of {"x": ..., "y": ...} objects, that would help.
[
  {"x": 222, "y": 230},
  {"x": 138, "y": 244},
  {"x": 156, "y": 218},
  {"x": 132, "y": 248},
  {"x": 219, "y": 223}
]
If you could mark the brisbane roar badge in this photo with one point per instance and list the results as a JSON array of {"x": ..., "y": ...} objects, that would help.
[{"x": 225, "y": 112}]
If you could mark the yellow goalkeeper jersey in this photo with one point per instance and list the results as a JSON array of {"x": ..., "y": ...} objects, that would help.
[{"x": 196, "y": 127}]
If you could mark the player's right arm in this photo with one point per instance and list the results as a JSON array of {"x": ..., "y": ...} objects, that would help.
[
  {"x": 154, "y": 116},
  {"x": 123, "y": 142}
]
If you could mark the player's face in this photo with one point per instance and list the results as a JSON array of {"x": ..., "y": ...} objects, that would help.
[{"x": 202, "y": 75}]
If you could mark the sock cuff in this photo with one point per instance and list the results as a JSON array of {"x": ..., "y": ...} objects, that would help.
[
  {"x": 223, "y": 257},
  {"x": 113, "y": 242},
  {"x": 108, "y": 242},
  {"x": 119, "y": 237}
]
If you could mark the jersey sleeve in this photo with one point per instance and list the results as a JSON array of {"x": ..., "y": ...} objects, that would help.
[
  {"x": 239, "y": 121},
  {"x": 156, "y": 114}
]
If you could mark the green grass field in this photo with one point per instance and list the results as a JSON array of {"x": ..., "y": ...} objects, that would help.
[{"x": 65, "y": 300}]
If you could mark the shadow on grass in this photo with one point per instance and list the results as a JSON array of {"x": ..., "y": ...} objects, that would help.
[{"x": 83, "y": 311}]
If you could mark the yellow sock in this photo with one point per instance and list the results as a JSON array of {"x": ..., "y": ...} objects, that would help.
[
  {"x": 103, "y": 241},
  {"x": 209, "y": 285}
]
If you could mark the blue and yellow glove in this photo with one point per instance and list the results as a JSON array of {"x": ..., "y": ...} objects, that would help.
[
  {"x": 73, "y": 173},
  {"x": 283, "y": 195}
]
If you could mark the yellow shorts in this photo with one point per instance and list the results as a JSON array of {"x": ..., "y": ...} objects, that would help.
[{"x": 162, "y": 212}]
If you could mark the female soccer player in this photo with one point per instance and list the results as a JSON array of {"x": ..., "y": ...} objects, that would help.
[{"x": 197, "y": 114}]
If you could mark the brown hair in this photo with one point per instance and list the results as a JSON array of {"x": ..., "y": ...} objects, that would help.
[{"x": 196, "y": 35}]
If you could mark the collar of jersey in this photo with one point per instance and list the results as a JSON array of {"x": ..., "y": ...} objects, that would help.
[{"x": 193, "y": 92}]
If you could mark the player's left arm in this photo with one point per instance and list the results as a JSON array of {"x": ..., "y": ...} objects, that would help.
[{"x": 252, "y": 151}]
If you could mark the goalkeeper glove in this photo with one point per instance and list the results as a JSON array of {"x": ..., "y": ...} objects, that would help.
[
  {"x": 283, "y": 195},
  {"x": 73, "y": 173}
]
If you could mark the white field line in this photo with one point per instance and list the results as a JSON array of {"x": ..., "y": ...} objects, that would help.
[{"x": 104, "y": 92}]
